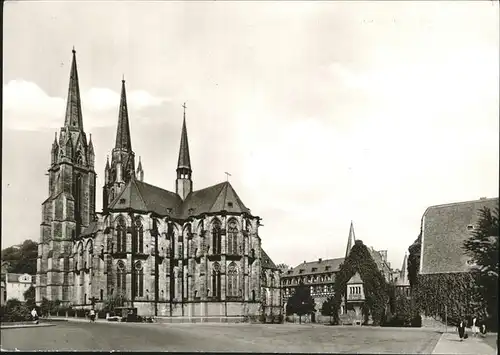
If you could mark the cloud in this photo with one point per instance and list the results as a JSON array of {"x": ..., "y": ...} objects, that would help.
[{"x": 27, "y": 107}]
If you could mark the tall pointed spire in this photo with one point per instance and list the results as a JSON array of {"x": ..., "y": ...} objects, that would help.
[
  {"x": 184, "y": 159},
  {"x": 350, "y": 241},
  {"x": 184, "y": 184},
  {"x": 123, "y": 140},
  {"x": 74, "y": 120}
]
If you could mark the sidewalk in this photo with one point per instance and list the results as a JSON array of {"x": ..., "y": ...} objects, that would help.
[
  {"x": 26, "y": 325},
  {"x": 74, "y": 319},
  {"x": 450, "y": 343}
]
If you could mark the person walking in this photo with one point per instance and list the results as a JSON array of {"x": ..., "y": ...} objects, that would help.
[
  {"x": 461, "y": 330},
  {"x": 92, "y": 315},
  {"x": 34, "y": 315},
  {"x": 474, "y": 327}
]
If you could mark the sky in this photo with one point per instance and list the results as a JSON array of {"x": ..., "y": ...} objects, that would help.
[{"x": 322, "y": 112}]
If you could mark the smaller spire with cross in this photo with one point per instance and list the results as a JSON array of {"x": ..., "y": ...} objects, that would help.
[{"x": 227, "y": 175}]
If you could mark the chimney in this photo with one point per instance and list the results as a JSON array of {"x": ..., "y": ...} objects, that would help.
[
  {"x": 319, "y": 259},
  {"x": 304, "y": 261}
]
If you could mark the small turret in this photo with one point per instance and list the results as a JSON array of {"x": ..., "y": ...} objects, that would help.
[
  {"x": 140, "y": 172},
  {"x": 91, "y": 157},
  {"x": 55, "y": 150},
  {"x": 107, "y": 171}
]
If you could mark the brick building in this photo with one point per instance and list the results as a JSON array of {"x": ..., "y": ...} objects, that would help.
[{"x": 184, "y": 253}]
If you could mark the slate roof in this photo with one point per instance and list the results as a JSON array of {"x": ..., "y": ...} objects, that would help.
[
  {"x": 267, "y": 263},
  {"x": 216, "y": 198},
  {"x": 444, "y": 229},
  {"x": 319, "y": 266},
  {"x": 142, "y": 197}
]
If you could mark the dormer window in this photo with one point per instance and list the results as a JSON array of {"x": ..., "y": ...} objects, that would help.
[
  {"x": 229, "y": 204},
  {"x": 327, "y": 268},
  {"x": 122, "y": 200},
  {"x": 314, "y": 269},
  {"x": 301, "y": 271},
  {"x": 471, "y": 227},
  {"x": 191, "y": 210}
]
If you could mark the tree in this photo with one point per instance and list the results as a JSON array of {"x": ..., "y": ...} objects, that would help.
[
  {"x": 327, "y": 308},
  {"x": 482, "y": 247},
  {"x": 374, "y": 284},
  {"x": 21, "y": 259},
  {"x": 300, "y": 302},
  {"x": 29, "y": 297},
  {"x": 112, "y": 302}
]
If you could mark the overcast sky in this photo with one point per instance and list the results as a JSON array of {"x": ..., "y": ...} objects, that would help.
[{"x": 323, "y": 112}]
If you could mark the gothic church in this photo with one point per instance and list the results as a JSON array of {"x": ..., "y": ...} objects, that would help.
[{"x": 183, "y": 254}]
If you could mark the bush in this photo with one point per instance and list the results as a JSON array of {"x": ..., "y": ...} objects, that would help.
[
  {"x": 80, "y": 313},
  {"x": 71, "y": 312},
  {"x": 101, "y": 315},
  {"x": 15, "y": 311}
]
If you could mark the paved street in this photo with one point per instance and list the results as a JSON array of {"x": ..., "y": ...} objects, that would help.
[{"x": 219, "y": 337}]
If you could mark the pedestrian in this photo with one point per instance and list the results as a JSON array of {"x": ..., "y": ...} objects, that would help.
[
  {"x": 34, "y": 315},
  {"x": 461, "y": 330},
  {"x": 483, "y": 329},
  {"x": 474, "y": 327},
  {"x": 92, "y": 315}
]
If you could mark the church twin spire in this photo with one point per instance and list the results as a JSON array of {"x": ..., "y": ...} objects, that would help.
[
  {"x": 73, "y": 119},
  {"x": 123, "y": 140}
]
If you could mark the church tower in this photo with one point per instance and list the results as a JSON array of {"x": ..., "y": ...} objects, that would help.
[
  {"x": 70, "y": 206},
  {"x": 183, "y": 183},
  {"x": 122, "y": 168}
]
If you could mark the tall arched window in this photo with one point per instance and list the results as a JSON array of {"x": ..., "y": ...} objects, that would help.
[
  {"x": 121, "y": 236},
  {"x": 79, "y": 158},
  {"x": 216, "y": 237},
  {"x": 121, "y": 278},
  {"x": 139, "y": 280},
  {"x": 232, "y": 237},
  {"x": 78, "y": 197},
  {"x": 216, "y": 281},
  {"x": 139, "y": 232},
  {"x": 232, "y": 280}
]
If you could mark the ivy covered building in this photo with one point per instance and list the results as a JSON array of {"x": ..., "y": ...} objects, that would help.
[
  {"x": 446, "y": 278},
  {"x": 188, "y": 253}
]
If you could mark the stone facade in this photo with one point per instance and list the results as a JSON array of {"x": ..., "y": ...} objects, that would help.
[{"x": 183, "y": 254}]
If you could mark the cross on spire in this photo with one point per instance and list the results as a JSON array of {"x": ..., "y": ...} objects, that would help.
[
  {"x": 227, "y": 175},
  {"x": 184, "y": 106}
]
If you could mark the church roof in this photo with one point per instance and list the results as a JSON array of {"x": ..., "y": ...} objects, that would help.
[
  {"x": 266, "y": 261},
  {"x": 216, "y": 198},
  {"x": 142, "y": 197},
  {"x": 444, "y": 230}
]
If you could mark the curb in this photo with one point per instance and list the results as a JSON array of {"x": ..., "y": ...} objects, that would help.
[{"x": 26, "y": 326}]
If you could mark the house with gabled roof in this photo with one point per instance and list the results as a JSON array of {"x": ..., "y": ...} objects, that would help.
[{"x": 191, "y": 253}]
